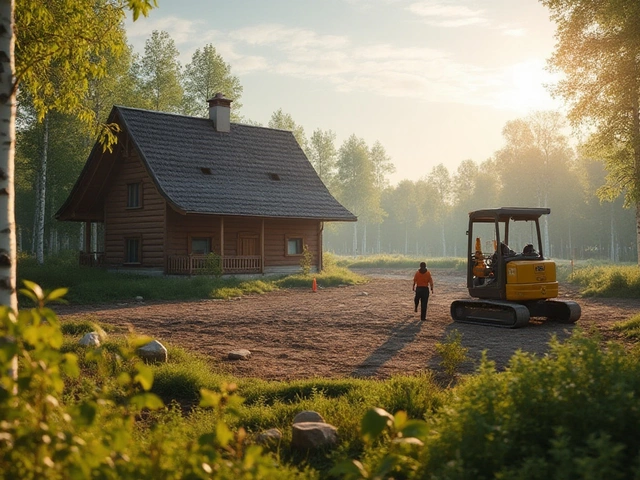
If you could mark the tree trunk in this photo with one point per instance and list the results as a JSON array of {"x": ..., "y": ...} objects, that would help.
[
  {"x": 638, "y": 229},
  {"x": 355, "y": 238},
  {"x": 444, "y": 242},
  {"x": 41, "y": 201},
  {"x": 8, "y": 295},
  {"x": 364, "y": 239}
]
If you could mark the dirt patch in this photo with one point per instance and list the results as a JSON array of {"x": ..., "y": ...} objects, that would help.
[{"x": 368, "y": 330}]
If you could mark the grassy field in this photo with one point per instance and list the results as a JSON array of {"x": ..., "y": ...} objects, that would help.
[{"x": 82, "y": 412}]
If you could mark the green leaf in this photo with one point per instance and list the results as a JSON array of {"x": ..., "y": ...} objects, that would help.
[
  {"x": 87, "y": 413},
  {"x": 146, "y": 400},
  {"x": 347, "y": 469},
  {"x": 400, "y": 419},
  {"x": 144, "y": 376},
  {"x": 408, "y": 441},
  {"x": 209, "y": 399},
  {"x": 35, "y": 288},
  {"x": 415, "y": 428},
  {"x": 57, "y": 294},
  {"x": 374, "y": 422},
  {"x": 223, "y": 434}
]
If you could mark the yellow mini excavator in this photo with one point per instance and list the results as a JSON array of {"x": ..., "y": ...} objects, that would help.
[{"x": 514, "y": 282}]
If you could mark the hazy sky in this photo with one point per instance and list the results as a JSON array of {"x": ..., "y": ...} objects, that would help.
[{"x": 434, "y": 81}]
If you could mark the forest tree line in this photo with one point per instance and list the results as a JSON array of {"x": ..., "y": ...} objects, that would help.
[{"x": 427, "y": 216}]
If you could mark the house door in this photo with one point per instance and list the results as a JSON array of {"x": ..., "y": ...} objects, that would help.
[{"x": 247, "y": 245}]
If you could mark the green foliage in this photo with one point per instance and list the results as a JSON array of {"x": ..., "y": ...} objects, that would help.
[
  {"x": 329, "y": 277},
  {"x": 100, "y": 432},
  {"x": 570, "y": 414},
  {"x": 629, "y": 328},
  {"x": 608, "y": 281},
  {"x": 452, "y": 352},
  {"x": 396, "y": 261},
  {"x": 213, "y": 264},
  {"x": 306, "y": 261}
]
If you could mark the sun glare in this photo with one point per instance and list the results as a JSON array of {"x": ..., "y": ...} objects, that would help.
[{"x": 525, "y": 88}]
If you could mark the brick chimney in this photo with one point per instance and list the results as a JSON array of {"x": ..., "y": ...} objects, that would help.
[{"x": 220, "y": 112}]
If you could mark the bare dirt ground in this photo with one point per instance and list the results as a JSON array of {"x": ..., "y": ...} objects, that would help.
[{"x": 367, "y": 330}]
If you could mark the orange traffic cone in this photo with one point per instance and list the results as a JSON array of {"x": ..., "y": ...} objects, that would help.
[{"x": 314, "y": 285}]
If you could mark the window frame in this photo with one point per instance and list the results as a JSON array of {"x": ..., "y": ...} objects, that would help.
[
  {"x": 288, "y": 239},
  {"x": 127, "y": 250},
  {"x": 138, "y": 204},
  {"x": 200, "y": 237}
]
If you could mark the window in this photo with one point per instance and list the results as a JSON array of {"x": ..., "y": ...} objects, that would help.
[
  {"x": 200, "y": 246},
  {"x": 132, "y": 250},
  {"x": 134, "y": 199},
  {"x": 294, "y": 246}
]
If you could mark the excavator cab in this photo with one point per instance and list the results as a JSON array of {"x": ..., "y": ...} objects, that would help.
[{"x": 508, "y": 273}]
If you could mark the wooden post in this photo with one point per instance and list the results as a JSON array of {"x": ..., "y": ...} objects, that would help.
[
  {"x": 222, "y": 242},
  {"x": 262, "y": 247},
  {"x": 87, "y": 237}
]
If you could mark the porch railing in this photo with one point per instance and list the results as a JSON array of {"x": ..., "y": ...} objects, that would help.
[
  {"x": 91, "y": 259},
  {"x": 196, "y": 264}
]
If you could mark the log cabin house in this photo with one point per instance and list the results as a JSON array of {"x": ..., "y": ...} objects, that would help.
[{"x": 176, "y": 188}]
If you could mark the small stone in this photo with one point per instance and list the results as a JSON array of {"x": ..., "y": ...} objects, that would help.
[
  {"x": 91, "y": 339},
  {"x": 153, "y": 352},
  {"x": 308, "y": 416},
  {"x": 273, "y": 436},
  {"x": 139, "y": 299},
  {"x": 363, "y": 294},
  {"x": 241, "y": 354},
  {"x": 313, "y": 435}
]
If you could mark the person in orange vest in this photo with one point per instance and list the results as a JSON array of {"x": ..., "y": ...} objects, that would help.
[{"x": 422, "y": 282}]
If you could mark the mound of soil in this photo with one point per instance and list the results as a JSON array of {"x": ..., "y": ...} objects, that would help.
[{"x": 367, "y": 330}]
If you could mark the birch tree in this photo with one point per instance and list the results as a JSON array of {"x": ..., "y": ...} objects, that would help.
[
  {"x": 161, "y": 72},
  {"x": 11, "y": 73},
  {"x": 206, "y": 75},
  {"x": 598, "y": 53}
]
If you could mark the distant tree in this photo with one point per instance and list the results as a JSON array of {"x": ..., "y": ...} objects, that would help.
[
  {"x": 439, "y": 204},
  {"x": 355, "y": 178},
  {"x": 323, "y": 155},
  {"x": 598, "y": 52},
  {"x": 382, "y": 167},
  {"x": 161, "y": 73},
  {"x": 284, "y": 121},
  {"x": 206, "y": 75}
]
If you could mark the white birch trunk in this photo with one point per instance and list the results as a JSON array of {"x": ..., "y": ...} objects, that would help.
[
  {"x": 406, "y": 239},
  {"x": 355, "y": 238},
  {"x": 42, "y": 194},
  {"x": 8, "y": 295},
  {"x": 94, "y": 237},
  {"x": 444, "y": 242},
  {"x": 364, "y": 240}
]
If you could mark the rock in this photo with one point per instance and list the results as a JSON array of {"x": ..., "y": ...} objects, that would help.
[
  {"x": 362, "y": 294},
  {"x": 313, "y": 435},
  {"x": 90, "y": 340},
  {"x": 308, "y": 416},
  {"x": 139, "y": 299},
  {"x": 241, "y": 354},
  {"x": 273, "y": 436},
  {"x": 153, "y": 352}
]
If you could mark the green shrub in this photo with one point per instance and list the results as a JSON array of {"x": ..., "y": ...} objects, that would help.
[
  {"x": 452, "y": 352},
  {"x": 629, "y": 328},
  {"x": 608, "y": 281},
  {"x": 306, "y": 261}
]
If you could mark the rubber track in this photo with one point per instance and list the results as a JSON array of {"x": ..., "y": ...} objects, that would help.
[{"x": 490, "y": 313}]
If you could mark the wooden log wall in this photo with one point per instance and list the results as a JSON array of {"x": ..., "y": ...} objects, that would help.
[{"x": 146, "y": 223}]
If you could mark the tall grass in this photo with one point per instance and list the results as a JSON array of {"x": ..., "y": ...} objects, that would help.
[
  {"x": 94, "y": 286},
  {"x": 397, "y": 261},
  {"x": 622, "y": 281}
]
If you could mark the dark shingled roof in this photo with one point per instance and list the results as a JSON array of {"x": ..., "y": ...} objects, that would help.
[{"x": 244, "y": 164}]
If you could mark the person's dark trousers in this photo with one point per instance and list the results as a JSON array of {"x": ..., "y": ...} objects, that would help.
[{"x": 422, "y": 297}]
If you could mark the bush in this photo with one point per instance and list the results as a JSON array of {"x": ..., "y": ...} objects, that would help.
[{"x": 608, "y": 281}]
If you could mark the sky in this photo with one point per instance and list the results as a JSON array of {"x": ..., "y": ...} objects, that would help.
[{"x": 434, "y": 81}]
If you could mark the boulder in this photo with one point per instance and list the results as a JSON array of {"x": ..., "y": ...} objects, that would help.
[
  {"x": 153, "y": 352},
  {"x": 91, "y": 339},
  {"x": 308, "y": 416},
  {"x": 313, "y": 435},
  {"x": 241, "y": 354},
  {"x": 273, "y": 436}
]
